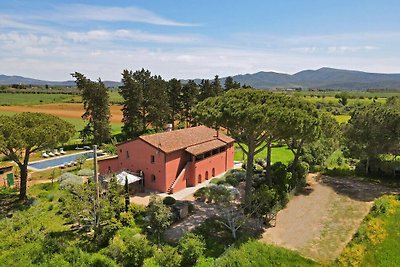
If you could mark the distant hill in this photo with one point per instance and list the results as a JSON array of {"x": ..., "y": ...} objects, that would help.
[
  {"x": 324, "y": 78},
  {"x": 9, "y": 80}
]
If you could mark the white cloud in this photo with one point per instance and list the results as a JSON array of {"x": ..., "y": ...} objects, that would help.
[
  {"x": 57, "y": 62},
  {"x": 105, "y": 13},
  {"x": 135, "y": 35},
  {"x": 344, "y": 49}
]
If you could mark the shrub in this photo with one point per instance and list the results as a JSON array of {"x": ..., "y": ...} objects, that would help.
[
  {"x": 137, "y": 210},
  {"x": 300, "y": 172},
  {"x": 129, "y": 248},
  {"x": 191, "y": 247},
  {"x": 343, "y": 170},
  {"x": 352, "y": 255},
  {"x": 85, "y": 172},
  {"x": 376, "y": 232},
  {"x": 202, "y": 193},
  {"x": 381, "y": 206},
  {"x": 137, "y": 249},
  {"x": 191, "y": 207},
  {"x": 126, "y": 219},
  {"x": 68, "y": 180},
  {"x": 168, "y": 256},
  {"x": 232, "y": 181},
  {"x": 99, "y": 260},
  {"x": 107, "y": 232},
  {"x": 169, "y": 201}
]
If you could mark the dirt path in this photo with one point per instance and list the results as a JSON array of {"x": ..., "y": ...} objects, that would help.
[
  {"x": 319, "y": 221},
  {"x": 203, "y": 212}
]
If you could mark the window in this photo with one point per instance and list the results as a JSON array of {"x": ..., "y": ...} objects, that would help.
[
  {"x": 152, "y": 159},
  {"x": 109, "y": 169},
  {"x": 127, "y": 154},
  {"x": 153, "y": 178}
]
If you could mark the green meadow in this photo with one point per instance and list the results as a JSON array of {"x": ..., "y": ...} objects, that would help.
[
  {"x": 11, "y": 99},
  {"x": 282, "y": 154}
]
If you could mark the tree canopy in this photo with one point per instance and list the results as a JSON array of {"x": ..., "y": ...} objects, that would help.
[
  {"x": 25, "y": 133},
  {"x": 145, "y": 102},
  {"x": 256, "y": 118},
  {"x": 372, "y": 130},
  {"x": 97, "y": 111}
]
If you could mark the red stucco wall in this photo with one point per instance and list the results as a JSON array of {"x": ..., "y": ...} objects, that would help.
[
  {"x": 204, "y": 169},
  {"x": 140, "y": 159},
  {"x": 166, "y": 167},
  {"x": 108, "y": 165},
  {"x": 176, "y": 162},
  {"x": 230, "y": 156}
]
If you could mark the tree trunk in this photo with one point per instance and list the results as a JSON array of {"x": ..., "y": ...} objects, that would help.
[
  {"x": 296, "y": 156},
  {"x": 23, "y": 180},
  {"x": 249, "y": 171},
  {"x": 268, "y": 171},
  {"x": 367, "y": 166},
  {"x": 234, "y": 233}
]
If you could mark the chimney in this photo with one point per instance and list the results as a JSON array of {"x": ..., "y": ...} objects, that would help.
[
  {"x": 217, "y": 133},
  {"x": 169, "y": 127}
]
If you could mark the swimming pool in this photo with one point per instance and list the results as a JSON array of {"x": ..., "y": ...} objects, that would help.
[{"x": 59, "y": 161}]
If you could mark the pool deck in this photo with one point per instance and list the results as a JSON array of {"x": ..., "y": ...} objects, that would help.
[{"x": 59, "y": 157}]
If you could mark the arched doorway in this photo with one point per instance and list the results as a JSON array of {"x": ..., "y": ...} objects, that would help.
[
  {"x": 199, "y": 178},
  {"x": 213, "y": 172},
  {"x": 206, "y": 176}
]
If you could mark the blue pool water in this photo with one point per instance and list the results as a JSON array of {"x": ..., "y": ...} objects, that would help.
[{"x": 55, "y": 162}]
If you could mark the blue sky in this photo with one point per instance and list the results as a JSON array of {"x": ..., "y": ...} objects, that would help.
[{"x": 196, "y": 39}]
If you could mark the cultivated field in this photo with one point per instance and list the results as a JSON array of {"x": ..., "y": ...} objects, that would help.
[{"x": 63, "y": 110}]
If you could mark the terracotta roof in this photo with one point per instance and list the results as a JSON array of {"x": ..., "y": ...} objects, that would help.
[
  {"x": 181, "y": 139},
  {"x": 204, "y": 147}
]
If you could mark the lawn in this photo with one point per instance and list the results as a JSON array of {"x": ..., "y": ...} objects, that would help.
[
  {"x": 254, "y": 253},
  {"x": 10, "y": 99},
  {"x": 377, "y": 242},
  {"x": 282, "y": 154},
  {"x": 77, "y": 122}
]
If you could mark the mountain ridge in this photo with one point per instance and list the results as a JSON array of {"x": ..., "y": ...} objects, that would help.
[{"x": 323, "y": 78}]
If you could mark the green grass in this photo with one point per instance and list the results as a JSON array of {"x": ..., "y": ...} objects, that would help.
[
  {"x": 377, "y": 242},
  {"x": 254, "y": 253},
  {"x": 115, "y": 96},
  {"x": 32, "y": 99},
  {"x": 387, "y": 252},
  {"x": 7, "y": 113},
  {"x": 282, "y": 154},
  {"x": 78, "y": 123},
  {"x": 22, "y": 234}
]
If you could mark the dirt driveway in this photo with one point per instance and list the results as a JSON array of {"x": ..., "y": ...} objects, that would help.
[{"x": 319, "y": 221}]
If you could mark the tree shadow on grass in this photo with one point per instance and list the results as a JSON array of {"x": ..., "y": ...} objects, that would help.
[
  {"x": 218, "y": 238},
  {"x": 10, "y": 203},
  {"x": 356, "y": 188}
]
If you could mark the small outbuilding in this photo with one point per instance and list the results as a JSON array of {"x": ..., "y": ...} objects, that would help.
[{"x": 6, "y": 175}]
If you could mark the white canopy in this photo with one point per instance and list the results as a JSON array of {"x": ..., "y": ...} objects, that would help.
[{"x": 131, "y": 178}]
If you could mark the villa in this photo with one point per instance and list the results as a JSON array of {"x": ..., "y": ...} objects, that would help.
[{"x": 173, "y": 160}]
